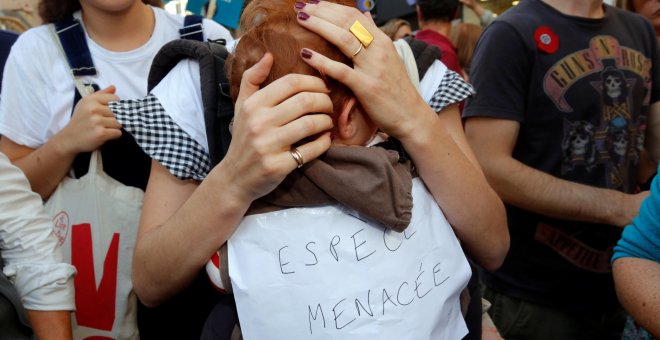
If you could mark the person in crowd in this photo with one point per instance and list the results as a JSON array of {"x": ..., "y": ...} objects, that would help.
[
  {"x": 33, "y": 265},
  {"x": 648, "y": 9},
  {"x": 465, "y": 36},
  {"x": 636, "y": 268},
  {"x": 45, "y": 135},
  {"x": 397, "y": 28},
  {"x": 558, "y": 124},
  {"x": 269, "y": 120},
  {"x": 485, "y": 15},
  {"x": 7, "y": 39},
  {"x": 435, "y": 25}
]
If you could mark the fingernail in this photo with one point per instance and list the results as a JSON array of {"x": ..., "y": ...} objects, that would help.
[
  {"x": 305, "y": 53},
  {"x": 299, "y": 5},
  {"x": 313, "y": 2},
  {"x": 302, "y": 15}
]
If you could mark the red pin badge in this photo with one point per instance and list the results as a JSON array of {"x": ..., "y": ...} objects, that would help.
[{"x": 546, "y": 40}]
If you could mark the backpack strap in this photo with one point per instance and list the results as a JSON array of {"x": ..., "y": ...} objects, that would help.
[
  {"x": 192, "y": 28},
  {"x": 425, "y": 54},
  {"x": 74, "y": 43},
  {"x": 218, "y": 106}
]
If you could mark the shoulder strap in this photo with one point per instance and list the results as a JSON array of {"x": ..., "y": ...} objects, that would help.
[
  {"x": 192, "y": 28},
  {"x": 73, "y": 41},
  {"x": 425, "y": 54},
  {"x": 218, "y": 106}
]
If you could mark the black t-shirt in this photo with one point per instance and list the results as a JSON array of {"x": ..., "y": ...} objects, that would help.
[{"x": 581, "y": 90}]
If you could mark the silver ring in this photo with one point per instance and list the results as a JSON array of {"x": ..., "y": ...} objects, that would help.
[{"x": 297, "y": 156}]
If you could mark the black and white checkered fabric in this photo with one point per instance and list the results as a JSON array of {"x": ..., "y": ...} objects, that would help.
[
  {"x": 452, "y": 89},
  {"x": 162, "y": 138}
]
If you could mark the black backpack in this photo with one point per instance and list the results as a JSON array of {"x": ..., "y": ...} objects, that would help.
[
  {"x": 218, "y": 106},
  {"x": 425, "y": 54}
]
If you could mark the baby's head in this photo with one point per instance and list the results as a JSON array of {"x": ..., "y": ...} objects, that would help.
[{"x": 271, "y": 26}]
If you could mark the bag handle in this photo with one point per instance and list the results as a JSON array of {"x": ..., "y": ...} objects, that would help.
[{"x": 95, "y": 161}]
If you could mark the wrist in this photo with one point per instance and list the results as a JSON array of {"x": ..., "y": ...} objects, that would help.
[
  {"x": 420, "y": 128},
  {"x": 61, "y": 146}
]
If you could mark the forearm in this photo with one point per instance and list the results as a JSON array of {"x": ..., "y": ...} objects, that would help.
[
  {"x": 478, "y": 9},
  {"x": 55, "y": 325},
  {"x": 541, "y": 193},
  {"x": 471, "y": 206},
  {"x": 44, "y": 167},
  {"x": 182, "y": 236},
  {"x": 637, "y": 286}
]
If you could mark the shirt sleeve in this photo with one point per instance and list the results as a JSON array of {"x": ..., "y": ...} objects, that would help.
[
  {"x": 162, "y": 138},
  {"x": 33, "y": 261},
  {"x": 641, "y": 239},
  {"x": 452, "y": 89},
  {"x": 500, "y": 79},
  {"x": 24, "y": 107},
  {"x": 213, "y": 30}
]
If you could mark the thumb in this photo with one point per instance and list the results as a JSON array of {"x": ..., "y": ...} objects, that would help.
[{"x": 253, "y": 77}]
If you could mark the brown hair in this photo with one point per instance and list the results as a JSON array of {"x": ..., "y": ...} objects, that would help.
[
  {"x": 54, "y": 10},
  {"x": 465, "y": 36},
  {"x": 271, "y": 26},
  {"x": 392, "y": 26}
]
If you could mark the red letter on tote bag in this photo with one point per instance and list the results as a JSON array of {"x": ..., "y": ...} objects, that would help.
[{"x": 94, "y": 308}]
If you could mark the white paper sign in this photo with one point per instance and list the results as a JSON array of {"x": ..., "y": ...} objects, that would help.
[{"x": 324, "y": 273}]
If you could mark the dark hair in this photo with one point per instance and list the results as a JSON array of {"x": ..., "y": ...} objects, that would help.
[
  {"x": 438, "y": 10},
  {"x": 271, "y": 26},
  {"x": 54, "y": 10}
]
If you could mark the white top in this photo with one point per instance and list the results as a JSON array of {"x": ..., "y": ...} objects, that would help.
[
  {"x": 38, "y": 89},
  {"x": 33, "y": 262},
  {"x": 326, "y": 272}
]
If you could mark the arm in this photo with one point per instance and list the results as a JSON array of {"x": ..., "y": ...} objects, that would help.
[
  {"x": 484, "y": 15},
  {"x": 55, "y": 325},
  {"x": 91, "y": 125},
  {"x": 210, "y": 12},
  {"x": 434, "y": 142},
  {"x": 33, "y": 261},
  {"x": 183, "y": 223},
  {"x": 493, "y": 141},
  {"x": 638, "y": 286}
]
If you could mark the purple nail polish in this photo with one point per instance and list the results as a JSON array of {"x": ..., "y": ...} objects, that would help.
[
  {"x": 299, "y": 5},
  {"x": 313, "y": 2},
  {"x": 303, "y": 16},
  {"x": 305, "y": 53}
]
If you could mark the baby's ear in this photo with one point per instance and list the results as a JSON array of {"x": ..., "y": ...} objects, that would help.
[{"x": 346, "y": 126}]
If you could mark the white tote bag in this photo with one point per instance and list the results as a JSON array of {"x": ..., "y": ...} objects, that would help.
[{"x": 96, "y": 220}]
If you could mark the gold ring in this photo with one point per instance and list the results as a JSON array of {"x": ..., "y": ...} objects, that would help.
[
  {"x": 297, "y": 156},
  {"x": 358, "y": 51},
  {"x": 361, "y": 33}
]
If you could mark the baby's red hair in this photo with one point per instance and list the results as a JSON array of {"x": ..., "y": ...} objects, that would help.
[{"x": 271, "y": 26}]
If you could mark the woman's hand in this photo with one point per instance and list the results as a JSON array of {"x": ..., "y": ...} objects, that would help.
[
  {"x": 268, "y": 122},
  {"x": 92, "y": 123},
  {"x": 378, "y": 78}
]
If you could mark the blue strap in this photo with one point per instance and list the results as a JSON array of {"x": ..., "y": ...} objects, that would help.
[
  {"x": 192, "y": 28},
  {"x": 74, "y": 43}
]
